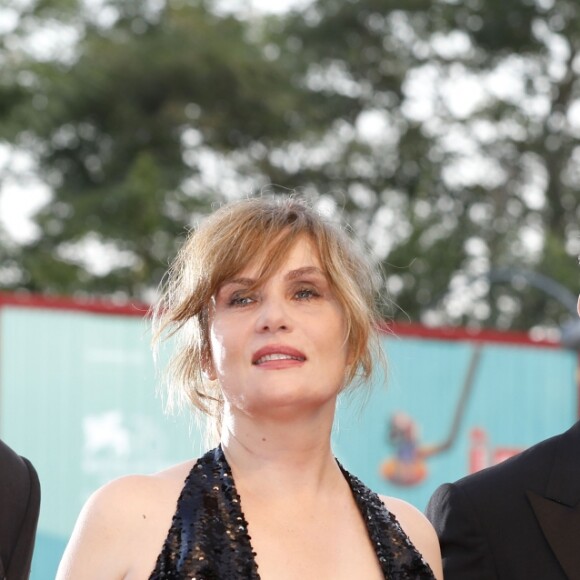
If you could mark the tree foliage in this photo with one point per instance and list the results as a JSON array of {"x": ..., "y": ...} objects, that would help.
[
  {"x": 444, "y": 132},
  {"x": 128, "y": 130},
  {"x": 472, "y": 166}
]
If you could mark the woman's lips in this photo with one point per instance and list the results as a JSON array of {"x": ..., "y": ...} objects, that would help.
[{"x": 278, "y": 356}]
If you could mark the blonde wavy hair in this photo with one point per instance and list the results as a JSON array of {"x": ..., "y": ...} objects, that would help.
[{"x": 258, "y": 230}]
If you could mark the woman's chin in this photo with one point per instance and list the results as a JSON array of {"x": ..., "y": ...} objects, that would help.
[{"x": 285, "y": 405}]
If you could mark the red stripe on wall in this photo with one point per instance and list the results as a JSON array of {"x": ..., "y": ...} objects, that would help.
[
  {"x": 466, "y": 334},
  {"x": 95, "y": 305},
  {"x": 135, "y": 308}
]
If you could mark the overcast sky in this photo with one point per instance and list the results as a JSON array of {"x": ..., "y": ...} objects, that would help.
[{"x": 22, "y": 194}]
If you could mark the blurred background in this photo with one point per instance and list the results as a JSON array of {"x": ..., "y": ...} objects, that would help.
[{"x": 444, "y": 133}]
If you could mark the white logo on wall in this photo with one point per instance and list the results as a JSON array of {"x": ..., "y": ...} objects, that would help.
[{"x": 117, "y": 443}]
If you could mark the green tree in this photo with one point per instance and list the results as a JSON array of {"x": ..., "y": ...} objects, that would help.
[
  {"x": 459, "y": 153},
  {"x": 444, "y": 132},
  {"x": 149, "y": 116}
]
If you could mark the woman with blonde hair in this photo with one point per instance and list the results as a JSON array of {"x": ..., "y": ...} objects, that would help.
[{"x": 273, "y": 311}]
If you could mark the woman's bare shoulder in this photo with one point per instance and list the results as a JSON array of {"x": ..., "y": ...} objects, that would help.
[
  {"x": 129, "y": 499},
  {"x": 419, "y": 530},
  {"x": 123, "y": 522},
  {"x": 133, "y": 494}
]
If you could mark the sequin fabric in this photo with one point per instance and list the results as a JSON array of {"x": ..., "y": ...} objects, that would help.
[
  {"x": 208, "y": 538},
  {"x": 398, "y": 557}
]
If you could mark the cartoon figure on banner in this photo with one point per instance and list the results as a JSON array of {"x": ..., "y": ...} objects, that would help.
[{"x": 408, "y": 465}]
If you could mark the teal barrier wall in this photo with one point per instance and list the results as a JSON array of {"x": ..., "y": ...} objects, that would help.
[
  {"x": 77, "y": 397},
  {"x": 518, "y": 396}
]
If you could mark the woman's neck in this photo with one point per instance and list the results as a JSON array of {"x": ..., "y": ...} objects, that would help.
[{"x": 274, "y": 457}]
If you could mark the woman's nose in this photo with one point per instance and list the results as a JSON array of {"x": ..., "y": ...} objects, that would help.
[{"x": 273, "y": 316}]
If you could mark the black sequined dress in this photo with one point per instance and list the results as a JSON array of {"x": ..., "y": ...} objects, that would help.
[{"x": 209, "y": 540}]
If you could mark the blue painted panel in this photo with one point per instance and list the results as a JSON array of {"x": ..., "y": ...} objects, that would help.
[
  {"x": 519, "y": 396},
  {"x": 77, "y": 397},
  {"x": 48, "y": 551}
]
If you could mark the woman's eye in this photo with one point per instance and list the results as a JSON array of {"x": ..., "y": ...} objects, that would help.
[
  {"x": 306, "y": 294},
  {"x": 240, "y": 300}
]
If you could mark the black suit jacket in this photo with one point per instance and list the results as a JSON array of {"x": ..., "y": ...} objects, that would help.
[
  {"x": 19, "y": 508},
  {"x": 519, "y": 520}
]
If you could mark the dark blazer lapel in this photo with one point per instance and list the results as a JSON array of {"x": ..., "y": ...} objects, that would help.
[
  {"x": 561, "y": 527},
  {"x": 558, "y": 510}
]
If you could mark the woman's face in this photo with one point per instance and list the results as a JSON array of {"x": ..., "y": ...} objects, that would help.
[{"x": 279, "y": 349}]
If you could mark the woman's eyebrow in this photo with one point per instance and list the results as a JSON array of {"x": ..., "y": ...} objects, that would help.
[
  {"x": 293, "y": 274},
  {"x": 239, "y": 281}
]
